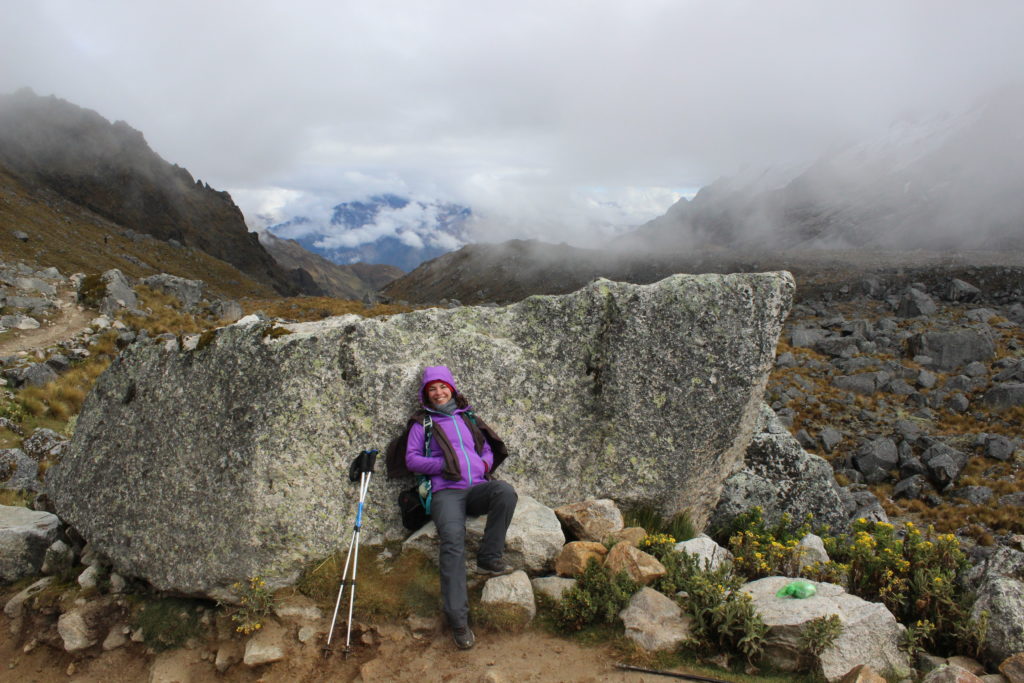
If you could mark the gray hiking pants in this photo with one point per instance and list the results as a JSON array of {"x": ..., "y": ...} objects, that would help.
[{"x": 449, "y": 508}]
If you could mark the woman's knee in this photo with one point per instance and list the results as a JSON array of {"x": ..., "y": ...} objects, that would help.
[{"x": 505, "y": 491}]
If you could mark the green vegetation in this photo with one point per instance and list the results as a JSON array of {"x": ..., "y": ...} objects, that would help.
[
  {"x": 168, "y": 623},
  {"x": 390, "y": 587},
  {"x": 255, "y": 603},
  {"x": 679, "y": 527},
  {"x": 309, "y": 308},
  {"x": 597, "y": 598}
]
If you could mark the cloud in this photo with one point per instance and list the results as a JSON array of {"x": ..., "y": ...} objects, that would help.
[{"x": 518, "y": 110}]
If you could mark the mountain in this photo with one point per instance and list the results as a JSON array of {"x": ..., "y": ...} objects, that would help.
[
  {"x": 383, "y": 229},
  {"x": 108, "y": 169},
  {"x": 946, "y": 183},
  {"x": 344, "y": 282}
]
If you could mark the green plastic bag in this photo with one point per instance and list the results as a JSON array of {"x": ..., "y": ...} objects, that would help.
[{"x": 797, "y": 589}]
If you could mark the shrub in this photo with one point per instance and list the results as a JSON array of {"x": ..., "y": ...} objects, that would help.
[
  {"x": 255, "y": 602},
  {"x": 597, "y": 598},
  {"x": 818, "y": 635},
  {"x": 763, "y": 550}
]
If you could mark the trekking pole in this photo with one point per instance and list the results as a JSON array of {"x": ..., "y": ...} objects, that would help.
[{"x": 360, "y": 469}]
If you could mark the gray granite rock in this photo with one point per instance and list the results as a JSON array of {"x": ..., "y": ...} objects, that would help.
[
  {"x": 24, "y": 537},
  {"x": 871, "y": 635},
  {"x": 513, "y": 589},
  {"x": 780, "y": 477},
  {"x": 196, "y": 468},
  {"x": 655, "y": 622}
]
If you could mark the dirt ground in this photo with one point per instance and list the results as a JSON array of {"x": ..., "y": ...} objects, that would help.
[
  {"x": 70, "y": 319},
  {"x": 395, "y": 655}
]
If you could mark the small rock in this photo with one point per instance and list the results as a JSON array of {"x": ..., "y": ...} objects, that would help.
[
  {"x": 575, "y": 555},
  {"x": 591, "y": 520},
  {"x": 950, "y": 674},
  {"x": 640, "y": 566},
  {"x": 654, "y": 621},
  {"x": 1013, "y": 668},
  {"x": 266, "y": 646},
  {"x": 552, "y": 586}
]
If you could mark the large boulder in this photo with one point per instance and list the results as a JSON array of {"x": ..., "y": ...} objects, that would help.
[
  {"x": 871, "y": 635},
  {"x": 952, "y": 349},
  {"x": 188, "y": 292},
  {"x": 196, "y": 465},
  {"x": 780, "y": 477}
]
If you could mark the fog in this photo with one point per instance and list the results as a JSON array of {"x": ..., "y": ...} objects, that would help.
[{"x": 564, "y": 121}]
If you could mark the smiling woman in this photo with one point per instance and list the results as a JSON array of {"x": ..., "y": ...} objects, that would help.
[{"x": 452, "y": 448}]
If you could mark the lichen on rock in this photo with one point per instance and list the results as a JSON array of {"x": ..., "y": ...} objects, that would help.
[{"x": 196, "y": 468}]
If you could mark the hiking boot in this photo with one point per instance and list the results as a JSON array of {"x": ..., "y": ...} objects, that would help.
[
  {"x": 496, "y": 568},
  {"x": 464, "y": 638}
]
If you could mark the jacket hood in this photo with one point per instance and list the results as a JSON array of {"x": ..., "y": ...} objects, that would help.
[{"x": 434, "y": 373}]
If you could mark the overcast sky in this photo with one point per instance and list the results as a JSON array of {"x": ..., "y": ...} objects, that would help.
[{"x": 550, "y": 119}]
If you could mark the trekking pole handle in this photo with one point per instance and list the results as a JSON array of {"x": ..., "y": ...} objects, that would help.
[{"x": 363, "y": 462}]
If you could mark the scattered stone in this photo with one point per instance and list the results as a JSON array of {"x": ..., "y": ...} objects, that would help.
[
  {"x": 1004, "y": 396},
  {"x": 229, "y": 653},
  {"x": 999, "y": 585},
  {"x": 24, "y": 537},
  {"x": 958, "y": 290},
  {"x": 266, "y": 646},
  {"x": 14, "y": 606},
  {"x": 632, "y": 534},
  {"x": 950, "y": 350},
  {"x": 591, "y": 520},
  {"x": 575, "y": 555},
  {"x": 552, "y": 586},
  {"x": 830, "y": 438},
  {"x": 75, "y": 631},
  {"x": 640, "y": 566},
  {"x": 915, "y": 303},
  {"x": 655, "y": 622},
  {"x": 1013, "y": 668},
  {"x": 116, "y": 637},
  {"x": 18, "y": 471},
  {"x": 513, "y": 589},
  {"x": 780, "y": 477},
  {"x": 863, "y": 674},
  {"x": 45, "y": 443},
  {"x": 710, "y": 553},
  {"x": 950, "y": 674},
  {"x": 811, "y": 550}
]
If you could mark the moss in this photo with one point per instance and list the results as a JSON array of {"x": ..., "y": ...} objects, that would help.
[
  {"x": 205, "y": 339},
  {"x": 276, "y": 331},
  {"x": 168, "y": 622}
]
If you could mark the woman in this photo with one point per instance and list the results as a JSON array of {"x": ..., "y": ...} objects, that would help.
[{"x": 458, "y": 461}]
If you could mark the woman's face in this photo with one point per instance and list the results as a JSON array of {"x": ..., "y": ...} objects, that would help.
[{"x": 438, "y": 393}]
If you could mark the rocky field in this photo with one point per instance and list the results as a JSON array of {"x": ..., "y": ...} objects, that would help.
[{"x": 907, "y": 382}]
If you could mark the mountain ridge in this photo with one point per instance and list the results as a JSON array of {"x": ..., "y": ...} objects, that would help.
[{"x": 110, "y": 170}]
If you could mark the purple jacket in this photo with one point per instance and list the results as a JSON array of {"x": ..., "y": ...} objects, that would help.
[{"x": 473, "y": 466}]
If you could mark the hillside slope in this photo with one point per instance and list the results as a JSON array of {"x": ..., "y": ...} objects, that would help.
[
  {"x": 110, "y": 170},
  {"x": 60, "y": 233},
  {"x": 345, "y": 282}
]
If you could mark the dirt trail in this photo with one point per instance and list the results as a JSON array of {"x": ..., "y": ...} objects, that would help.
[
  {"x": 397, "y": 656},
  {"x": 70, "y": 319}
]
